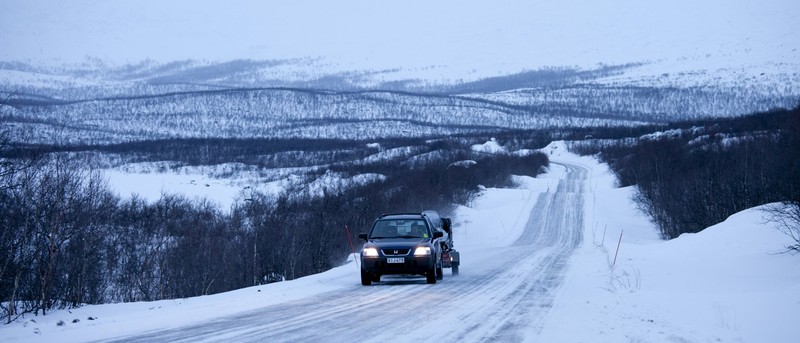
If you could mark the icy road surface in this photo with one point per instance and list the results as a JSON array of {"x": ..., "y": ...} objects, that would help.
[{"x": 503, "y": 296}]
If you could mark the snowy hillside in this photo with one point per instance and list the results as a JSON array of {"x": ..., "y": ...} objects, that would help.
[{"x": 97, "y": 72}]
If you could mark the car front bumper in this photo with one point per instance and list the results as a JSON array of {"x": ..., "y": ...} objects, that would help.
[{"x": 410, "y": 265}]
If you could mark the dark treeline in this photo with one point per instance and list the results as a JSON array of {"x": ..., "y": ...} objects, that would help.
[
  {"x": 282, "y": 152},
  {"x": 210, "y": 151},
  {"x": 66, "y": 239},
  {"x": 696, "y": 174}
]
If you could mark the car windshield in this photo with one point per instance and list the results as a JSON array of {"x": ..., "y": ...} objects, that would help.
[{"x": 396, "y": 228}]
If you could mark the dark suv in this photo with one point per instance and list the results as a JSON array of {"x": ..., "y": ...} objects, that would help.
[{"x": 401, "y": 244}]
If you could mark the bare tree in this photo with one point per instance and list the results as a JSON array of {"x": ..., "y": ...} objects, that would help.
[
  {"x": 787, "y": 216},
  {"x": 17, "y": 256}
]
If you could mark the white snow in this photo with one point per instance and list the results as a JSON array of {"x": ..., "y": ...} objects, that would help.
[
  {"x": 151, "y": 181},
  {"x": 463, "y": 164},
  {"x": 331, "y": 182},
  {"x": 152, "y": 186},
  {"x": 490, "y": 147},
  {"x": 725, "y": 284}
]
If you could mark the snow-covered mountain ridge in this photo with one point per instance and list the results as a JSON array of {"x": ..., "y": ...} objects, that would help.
[
  {"x": 357, "y": 69},
  {"x": 229, "y": 101}
]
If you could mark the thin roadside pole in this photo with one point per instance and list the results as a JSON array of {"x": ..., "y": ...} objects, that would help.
[
  {"x": 618, "y": 243},
  {"x": 352, "y": 248},
  {"x": 604, "y": 235}
]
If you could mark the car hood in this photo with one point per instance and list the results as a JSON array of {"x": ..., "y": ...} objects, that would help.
[{"x": 402, "y": 243}]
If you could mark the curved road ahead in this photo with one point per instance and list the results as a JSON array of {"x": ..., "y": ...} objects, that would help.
[{"x": 505, "y": 299}]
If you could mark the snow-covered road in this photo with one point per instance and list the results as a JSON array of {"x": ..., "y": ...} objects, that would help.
[
  {"x": 536, "y": 267},
  {"x": 502, "y": 293}
]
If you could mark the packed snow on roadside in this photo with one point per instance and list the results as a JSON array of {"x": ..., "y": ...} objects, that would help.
[{"x": 728, "y": 283}]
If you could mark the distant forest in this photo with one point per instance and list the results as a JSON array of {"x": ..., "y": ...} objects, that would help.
[{"x": 243, "y": 100}]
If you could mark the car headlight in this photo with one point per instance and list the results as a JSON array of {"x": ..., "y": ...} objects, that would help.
[
  {"x": 422, "y": 251},
  {"x": 369, "y": 252}
]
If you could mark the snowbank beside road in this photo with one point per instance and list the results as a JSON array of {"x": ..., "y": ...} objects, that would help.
[{"x": 726, "y": 283}]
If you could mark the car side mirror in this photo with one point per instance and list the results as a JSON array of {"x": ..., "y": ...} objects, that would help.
[
  {"x": 438, "y": 234},
  {"x": 362, "y": 236}
]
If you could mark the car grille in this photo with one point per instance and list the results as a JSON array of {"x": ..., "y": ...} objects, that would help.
[{"x": 395, "y": 252}]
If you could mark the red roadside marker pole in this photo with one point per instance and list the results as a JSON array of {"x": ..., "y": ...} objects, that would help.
[{"x": 618, "y": 243}]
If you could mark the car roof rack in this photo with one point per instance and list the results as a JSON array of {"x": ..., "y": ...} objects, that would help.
[{"x": 401, "y": 214}]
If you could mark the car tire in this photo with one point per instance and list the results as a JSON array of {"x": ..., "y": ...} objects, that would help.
[
  {"x": 430, "y": 276},
  {"x": 366, "y": 279},
  {"x": 439, "y": 273}
]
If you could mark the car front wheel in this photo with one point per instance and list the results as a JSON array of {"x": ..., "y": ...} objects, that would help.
[
  {"x": 431, "y": 276},
  {"x": 366, "y": 279}
]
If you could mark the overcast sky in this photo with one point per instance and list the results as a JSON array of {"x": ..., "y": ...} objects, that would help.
[{"x": 367, "y": 34}]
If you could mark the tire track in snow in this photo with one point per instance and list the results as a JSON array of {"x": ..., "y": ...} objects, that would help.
[{"x": 552, "y": 233}]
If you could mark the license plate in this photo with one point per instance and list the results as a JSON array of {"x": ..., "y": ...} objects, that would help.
[{"x": 395, "y": 260}]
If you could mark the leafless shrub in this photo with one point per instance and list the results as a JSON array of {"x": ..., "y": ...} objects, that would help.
[{"x": 787, "y": 218}]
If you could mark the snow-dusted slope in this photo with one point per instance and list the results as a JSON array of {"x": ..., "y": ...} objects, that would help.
[
  {"x": 504, "y": 65},
  {"x": 455, "y": 40}
]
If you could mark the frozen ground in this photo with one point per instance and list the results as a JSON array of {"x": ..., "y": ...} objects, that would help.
[{"x": 528, "y": 274}]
